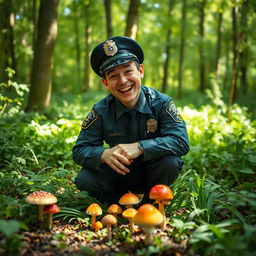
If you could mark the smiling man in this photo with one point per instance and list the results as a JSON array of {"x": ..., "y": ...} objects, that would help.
[{"x": 133, "y": 138}]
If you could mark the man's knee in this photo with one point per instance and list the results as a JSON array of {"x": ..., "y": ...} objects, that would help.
[
  {"x": 165, "y": 170},
  {"x": 99, "y": 184}
]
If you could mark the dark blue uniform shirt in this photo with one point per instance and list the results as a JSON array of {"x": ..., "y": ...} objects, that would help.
[{"x": 157, "y": 125}]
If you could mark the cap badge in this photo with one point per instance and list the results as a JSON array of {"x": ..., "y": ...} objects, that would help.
[
  {"x": 151, "y": 125},
  {"x": 110, "y": 48}
]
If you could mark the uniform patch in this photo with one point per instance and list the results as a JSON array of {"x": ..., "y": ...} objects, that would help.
[
  {"x": 151, "y": 125},
  {"x": 90, "y": 119},
  {"x": 173, "y": 112}
]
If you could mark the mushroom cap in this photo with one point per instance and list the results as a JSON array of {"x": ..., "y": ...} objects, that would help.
[
  {"x": 41, "y": 198},
  {"x": 129, "y": 213},
  {"x": 109, "y": 220},
  {"x": 52, "y": 208},
  {"x": 114, "y": 209},
  {"x": 97, "y": 225},
  {"x": 148, "y": 215},
  {"x": 94, "y": 209},
  {"x": 129, "y": 199},
  {"x": 161, "y": 193}
]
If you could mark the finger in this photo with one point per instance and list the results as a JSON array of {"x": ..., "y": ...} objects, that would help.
[
  {"x": 118, "y": 166},
  {"x": 122, "y": 158}
]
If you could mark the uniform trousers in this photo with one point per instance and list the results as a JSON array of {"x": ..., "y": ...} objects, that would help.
[{"x": 106, "y": 185}]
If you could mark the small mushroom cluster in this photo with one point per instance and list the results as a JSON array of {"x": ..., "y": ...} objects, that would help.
[
  {"x": 147, "y": 216},
  {"x": 46, "y": 203}
]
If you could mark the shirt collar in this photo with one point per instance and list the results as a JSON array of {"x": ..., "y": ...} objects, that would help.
[{"x": 141, "y": 106}]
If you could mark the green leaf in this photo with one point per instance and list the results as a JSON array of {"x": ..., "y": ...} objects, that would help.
[{"x": 9, "y": 227}]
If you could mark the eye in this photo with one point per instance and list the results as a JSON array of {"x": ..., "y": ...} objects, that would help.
[{"x": 112, "y": 77}]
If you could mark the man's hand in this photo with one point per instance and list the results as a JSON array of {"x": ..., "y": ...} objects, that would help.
[{"x": 120, "y": 156}]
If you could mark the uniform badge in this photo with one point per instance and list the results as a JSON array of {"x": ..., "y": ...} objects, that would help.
[
  {"x": 110, "y": 48},
  {"x": 174, "y": 112},
  {"x": 151, "y": 125},
  {"x": 90, "y": 119}
]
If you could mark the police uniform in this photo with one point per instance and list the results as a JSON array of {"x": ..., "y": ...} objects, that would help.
[{"x": 154, "y": 122}]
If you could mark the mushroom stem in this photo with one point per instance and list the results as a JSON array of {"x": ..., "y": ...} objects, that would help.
[
  {"x": 93, "y": 220},
  {"x": 40, "y": 213},
  {"x": 50, "y": 220},
  {"x": 161, "y": 209},
  {"x": 109, "y": 232},
  {"x": 148, "y": 230},
  {"x": 131, "y": 222}
]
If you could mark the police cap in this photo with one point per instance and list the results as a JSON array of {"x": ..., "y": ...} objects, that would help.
[{"x": 114, "y": 52}]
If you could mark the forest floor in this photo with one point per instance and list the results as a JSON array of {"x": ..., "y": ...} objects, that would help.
[{"x": 68, "y": 239}]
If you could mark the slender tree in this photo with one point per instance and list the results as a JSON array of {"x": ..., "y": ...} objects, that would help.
[
  {"x": 233, "y": 87},
  {"x": 109, "y": 28},
  {"x": 243, "y": 58},
  {"x": 132, "y": 19},
  {"x": 218, "y": 44},
  {"x": 40, "y": 91},
  {"x": 201, "y": 46},
  {"x": 88, "y": 40},
  {"x": 77, "y": 42},
  {"x": 182, "y": 47},
  {"x": 167, "y": 48},
  {"x": 7, "y": 40},
  {"x": 34, "y": 18}
]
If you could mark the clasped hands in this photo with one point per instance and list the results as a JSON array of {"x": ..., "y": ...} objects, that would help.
[{"x": 121, "y": 156}]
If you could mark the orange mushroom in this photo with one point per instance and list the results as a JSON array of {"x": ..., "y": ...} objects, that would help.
[
  {"x": 97, "y": 226},
  {"x": 147, "y": 217},
  {"x": 129, "y": 199},
  {"x": 162, "y": 194},
  {"x": 109, "y": 220},
  {"x": 129, "y": 214},
  {"x": 114, "y": 209},
  {"x": 94, "y": 210}
]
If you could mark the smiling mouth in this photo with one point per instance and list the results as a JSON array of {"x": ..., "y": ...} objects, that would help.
[{"x": 126, "y": 89}]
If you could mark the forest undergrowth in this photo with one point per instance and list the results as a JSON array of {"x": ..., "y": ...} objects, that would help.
[{"x": 214, "y": 207}]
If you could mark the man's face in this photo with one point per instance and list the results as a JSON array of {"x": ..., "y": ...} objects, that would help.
[{"x": 124, "y": 83}]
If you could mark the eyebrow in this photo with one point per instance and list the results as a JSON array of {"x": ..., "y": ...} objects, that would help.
[{"x": 113, "y": 69}]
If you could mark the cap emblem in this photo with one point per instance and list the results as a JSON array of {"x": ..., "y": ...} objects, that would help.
[{"x": 110, "y": 48}]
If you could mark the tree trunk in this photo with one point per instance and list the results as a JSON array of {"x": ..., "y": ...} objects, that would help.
[
  {"x": 233, "y": 88},
  {"x": 244, "y": 50},
  {"x": 218, "y": 45},
  {"x": 109, "y": 28},
  {"x": 7, "y": 25},
  {"x": 201, "y": 47},
  {"x": 167, "y": 50},
  {"x": 77, "y": 45},
  {"x": 182, "y": 47},
  {"x": 40, "y": 91},
  {"x": 132, "y": 19},
  {"x": 88, "y": 40},
  {"x": 34, "y": 18}
]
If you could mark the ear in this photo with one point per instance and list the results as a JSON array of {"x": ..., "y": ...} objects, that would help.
[
  {"x": 141, "y": 70},
  {"x": 104, "y": 81}
]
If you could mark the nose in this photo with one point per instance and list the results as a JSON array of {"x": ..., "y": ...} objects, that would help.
[{"x": 123, "y": 79}]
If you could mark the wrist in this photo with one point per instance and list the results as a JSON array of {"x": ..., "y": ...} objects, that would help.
[{"x": 140, "y": 147}]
